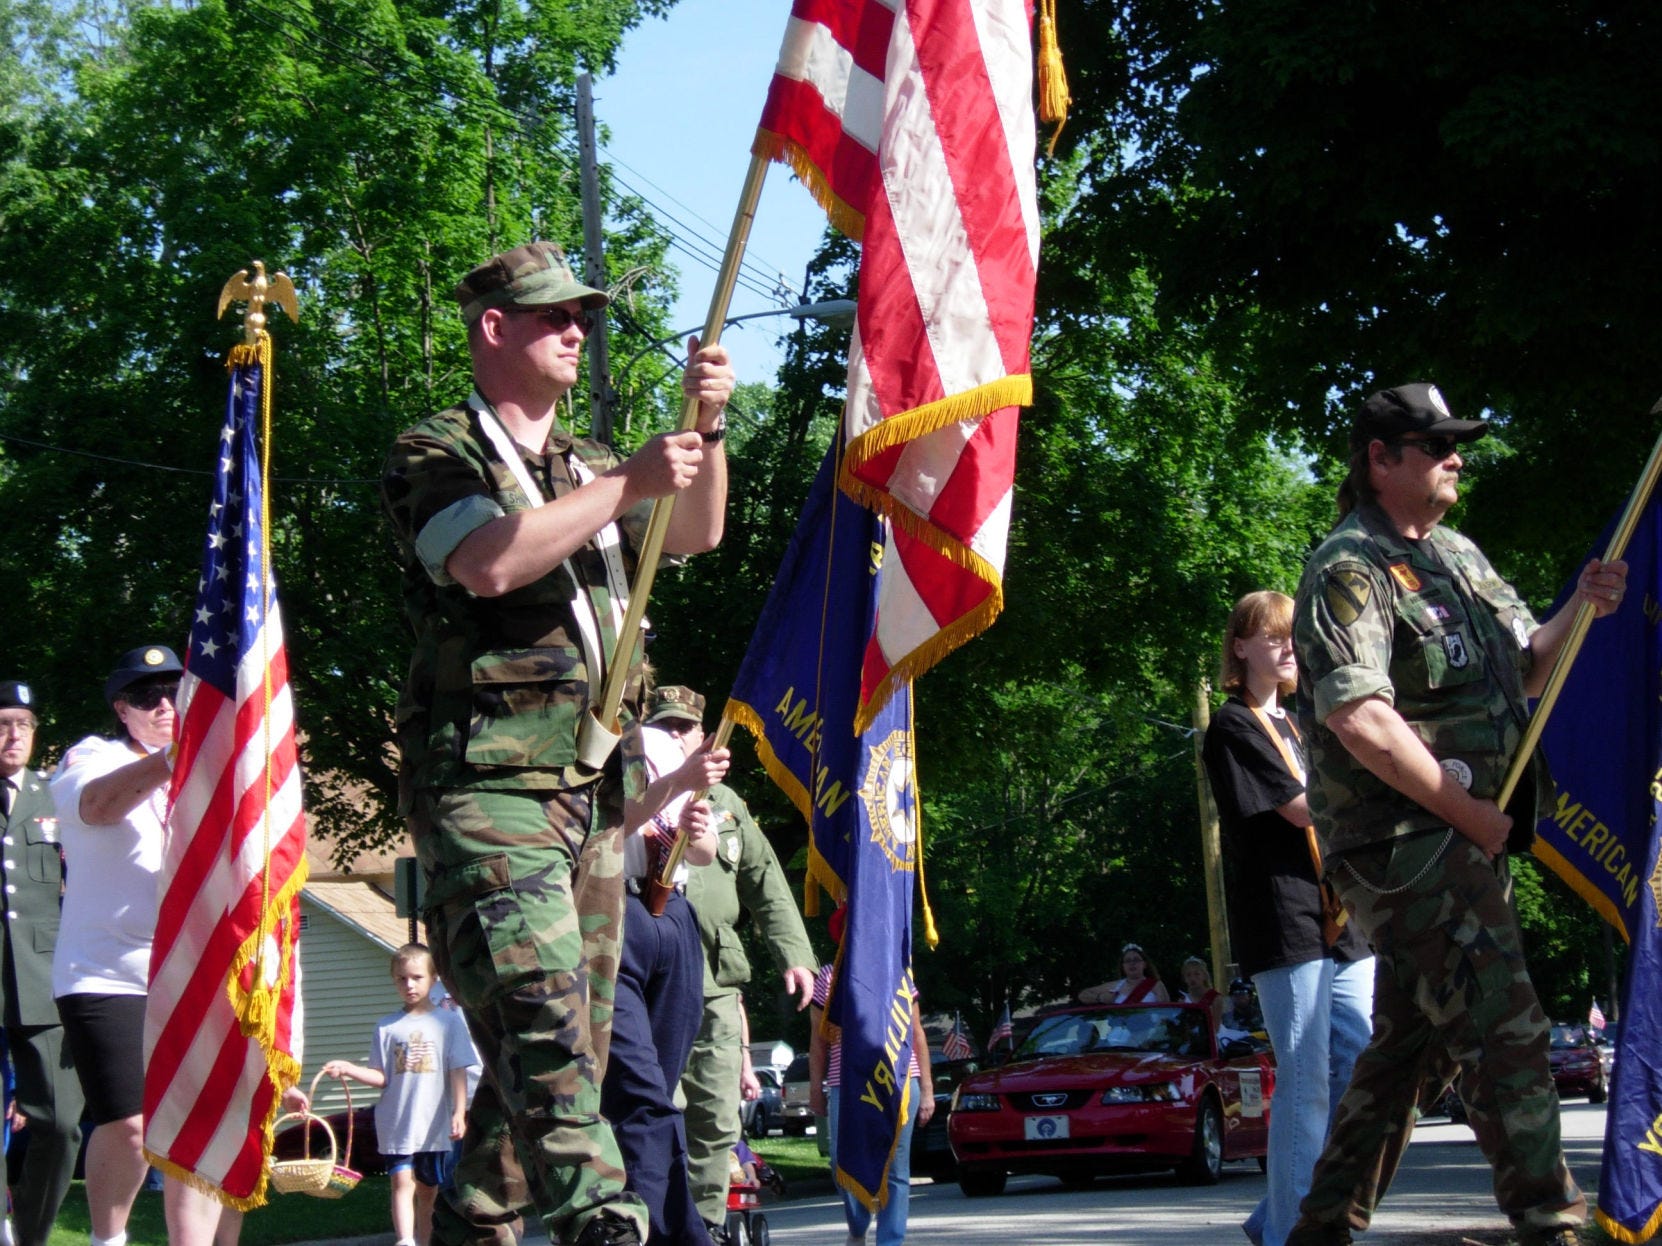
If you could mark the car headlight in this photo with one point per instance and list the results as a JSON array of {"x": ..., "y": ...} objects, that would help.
[
  {"x": 974, "y": 1103},
  {"x": 1153, "y": 1092}
]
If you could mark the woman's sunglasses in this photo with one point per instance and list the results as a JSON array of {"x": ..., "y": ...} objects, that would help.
[{"x": 151, "y": 695}]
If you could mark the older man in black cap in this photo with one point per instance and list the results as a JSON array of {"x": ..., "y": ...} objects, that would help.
[
  {"x": 518, "y": 543},
  {"x": 1418, "y": 660},
  {"x": 48, "y": 1092}
]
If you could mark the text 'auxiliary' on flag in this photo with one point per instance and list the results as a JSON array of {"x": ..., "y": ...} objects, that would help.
[
  {"x": 798, "y": 691},
  {"x": 223, "y": 1018},
  {"x": 912, "y": 122}
]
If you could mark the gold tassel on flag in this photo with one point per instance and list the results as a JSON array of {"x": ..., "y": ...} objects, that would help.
[{"x": 1053, "y": 78}]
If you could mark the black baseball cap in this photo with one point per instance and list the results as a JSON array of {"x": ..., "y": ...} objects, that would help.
[
  {"x": 16, "y": 695},
  {"x": 1416, "y": 408},
  {"x": 145, "y": 662}
]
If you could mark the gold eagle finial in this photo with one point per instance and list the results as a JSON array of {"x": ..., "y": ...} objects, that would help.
[{"x": 276, "y": 288}]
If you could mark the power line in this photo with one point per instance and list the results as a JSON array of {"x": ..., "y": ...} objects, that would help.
[
  {"x": 183, "y": 471},
  {"x": 759, "y": 279},
  {"x": 763, "y": 267}
]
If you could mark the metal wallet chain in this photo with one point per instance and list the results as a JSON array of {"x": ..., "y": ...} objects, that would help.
[{"x": 1424, "y": 870}]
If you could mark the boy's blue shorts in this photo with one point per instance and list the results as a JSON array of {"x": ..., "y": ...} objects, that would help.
[{"x": 433, "y": 1168}]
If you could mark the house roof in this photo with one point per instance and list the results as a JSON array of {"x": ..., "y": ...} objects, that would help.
[{"x": 362, "y": 904}]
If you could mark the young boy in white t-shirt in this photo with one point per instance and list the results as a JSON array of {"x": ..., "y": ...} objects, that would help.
[{"x": 421, "y": 1059}]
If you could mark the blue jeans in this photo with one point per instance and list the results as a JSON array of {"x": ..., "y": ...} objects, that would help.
[
  {"x": 891, "y": 1217},
  {"x": 1319, "y": 1016}
]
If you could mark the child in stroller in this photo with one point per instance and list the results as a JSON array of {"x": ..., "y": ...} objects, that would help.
[{"x": 748, "y": 1176}]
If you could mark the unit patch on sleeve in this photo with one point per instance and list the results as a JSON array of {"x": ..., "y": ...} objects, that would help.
[{"x": 1347, "y": 592}]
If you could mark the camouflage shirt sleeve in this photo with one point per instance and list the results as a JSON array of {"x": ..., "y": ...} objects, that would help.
[
  {"x": 435, "y": 498},
  {"x": 1342, "y": 632}
]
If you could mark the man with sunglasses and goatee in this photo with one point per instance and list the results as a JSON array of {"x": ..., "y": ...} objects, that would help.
[
  {"x": 518, "y": 542},
  {"x": 1418, "y": 661}
]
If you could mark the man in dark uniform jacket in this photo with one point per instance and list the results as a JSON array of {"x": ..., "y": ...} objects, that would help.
[{"x": 31, "y": 870}]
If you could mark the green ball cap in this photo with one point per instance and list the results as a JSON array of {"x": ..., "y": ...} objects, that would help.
[{"x": 534, "y": 275}]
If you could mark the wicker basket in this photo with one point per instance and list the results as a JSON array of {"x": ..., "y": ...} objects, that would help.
[{"x": 321, "y": 1178}]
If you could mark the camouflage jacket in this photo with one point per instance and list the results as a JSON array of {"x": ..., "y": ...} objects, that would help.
[
  {"x": 745, "y": 876},
  {"x": 1430, "y": 627},
  {"x": 496, "y": 686}
]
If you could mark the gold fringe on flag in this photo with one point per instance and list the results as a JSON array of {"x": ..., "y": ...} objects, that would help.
[{"x": 775, "y": 147}]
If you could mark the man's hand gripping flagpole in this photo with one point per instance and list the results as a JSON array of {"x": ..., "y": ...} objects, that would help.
[
  {"x": 600, "y": 731},
  {"x": 1583, "y": 620}
]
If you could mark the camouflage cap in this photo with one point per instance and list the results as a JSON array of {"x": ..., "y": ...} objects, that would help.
[
  {"x": 1416, "y": 408},
  {"x": 16, "y": 695},
  {"x": 145, "y": 662},
  {"x": 535, "y": 275},
  {"x": 674, "y": 701}
]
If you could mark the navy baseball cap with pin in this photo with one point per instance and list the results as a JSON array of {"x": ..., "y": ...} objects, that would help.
[
  {"x": 1416, "y": 408},
  {"x": 145, "y": 662}
]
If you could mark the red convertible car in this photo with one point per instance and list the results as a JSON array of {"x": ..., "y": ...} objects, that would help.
[{"x": 1115, "y": 1088}]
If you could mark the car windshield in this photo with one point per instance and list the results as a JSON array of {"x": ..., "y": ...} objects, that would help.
[
  {"x": 1165, "y": 1030},
  {"x": 1566, "y": 1036}
]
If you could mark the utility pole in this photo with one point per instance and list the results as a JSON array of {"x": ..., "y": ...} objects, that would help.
[
  {"x": 1211, "y": 843},
  {"x": 602, "y": 397}
]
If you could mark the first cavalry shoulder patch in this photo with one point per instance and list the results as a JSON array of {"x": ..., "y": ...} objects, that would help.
[
  {"x": 1404, "y": 575},
  {"x": 1347, "y": 594}
]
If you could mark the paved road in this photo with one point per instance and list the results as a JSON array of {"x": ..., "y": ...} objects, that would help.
[
  {"x": 1441, "y": 1195},
  {"x": 1442, "y": 1189}
]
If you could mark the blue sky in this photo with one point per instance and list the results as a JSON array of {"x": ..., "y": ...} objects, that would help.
[{"x": 682, "y": 109}]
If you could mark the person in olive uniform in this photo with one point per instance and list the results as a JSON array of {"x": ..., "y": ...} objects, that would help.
[
  {"x": 48, "y": 1092},
  {"x": 517, "y": 542},
  {"x": 745, "y": 877},
  {"x": 1419, "y": 660}
]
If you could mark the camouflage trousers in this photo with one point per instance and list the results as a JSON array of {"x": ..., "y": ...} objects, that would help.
[
  {"x": 524, "y": 911},
  {"x": 1451, "y": 988},
  {"x": 710, "y": 1086}
]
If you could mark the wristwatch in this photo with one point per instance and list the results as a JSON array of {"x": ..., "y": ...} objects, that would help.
[{"x": 717, "y": 433}]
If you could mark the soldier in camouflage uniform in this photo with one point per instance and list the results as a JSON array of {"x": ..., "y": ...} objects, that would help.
[
  {"x": 517, "y": 546},
  {"x": 744, "y": 877},
  {"x": 1419, "y": 659}
]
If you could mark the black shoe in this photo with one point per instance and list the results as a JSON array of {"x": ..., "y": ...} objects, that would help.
[
  {"x": 609, "y": 1230},
  {"x": 718, "y": 1234},
  {"x": 1322, "y": 1235}
]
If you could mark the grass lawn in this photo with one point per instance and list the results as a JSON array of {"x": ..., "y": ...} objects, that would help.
[
  {"x": 301, "y": 1218},
  {"x": 797, "y": 1159},
  {"x": 284, "y": 1218}
]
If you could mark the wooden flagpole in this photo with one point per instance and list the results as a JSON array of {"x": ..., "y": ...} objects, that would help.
[
  {"x": 1583, "y": 620},
  {"x": 600, "y": 731}
]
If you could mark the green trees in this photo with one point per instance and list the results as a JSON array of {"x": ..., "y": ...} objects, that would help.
[
  {"x": 371, "y": 150},
  {"x": 1261, "y": 210}
]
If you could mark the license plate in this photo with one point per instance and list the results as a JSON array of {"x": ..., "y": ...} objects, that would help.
[{"x": 1045, "y": 1128}]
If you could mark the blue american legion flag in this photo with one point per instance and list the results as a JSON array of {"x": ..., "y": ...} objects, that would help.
[
  {"x": 223, "y": 1019},
  {"x": 798, "y": 691},
  {"x": 1604, "y": 745}
]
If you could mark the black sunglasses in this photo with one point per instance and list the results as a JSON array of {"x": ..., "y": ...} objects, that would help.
[
  {"x": 1438, "y": 448},
  {"x": 558, "y": 318},
  {"x": 151, "y": 695}
]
